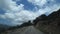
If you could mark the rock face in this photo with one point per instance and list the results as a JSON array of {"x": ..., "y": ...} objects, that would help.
[{"x": 49, "y": 24}]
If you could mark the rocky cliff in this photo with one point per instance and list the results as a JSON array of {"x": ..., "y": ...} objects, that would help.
[{"x": 49, "y": 24}]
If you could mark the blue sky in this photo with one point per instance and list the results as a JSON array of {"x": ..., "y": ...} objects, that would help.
[
  {"x": 2, "y": 11},
  {"x": 15, "y": 12},
  {"x": 27, "y": 5}
]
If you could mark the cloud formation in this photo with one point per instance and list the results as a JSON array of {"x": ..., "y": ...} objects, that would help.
[
  {"x": 46, "y": 6},
  {"x": 16, "y": 14}
]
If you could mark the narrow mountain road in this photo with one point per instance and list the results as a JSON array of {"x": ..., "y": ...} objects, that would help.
[
  {"x": 26, "y": 30},
  {"x": 32, "y": 30}
]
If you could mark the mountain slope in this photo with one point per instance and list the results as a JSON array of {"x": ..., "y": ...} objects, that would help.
[
  {"x": 49, "y": 24},
  {"x": 3, "y": 27}
]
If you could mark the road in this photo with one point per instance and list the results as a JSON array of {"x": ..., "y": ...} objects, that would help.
[{"x": 26, "y": 30}]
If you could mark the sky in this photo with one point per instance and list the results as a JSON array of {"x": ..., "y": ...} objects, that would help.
[{"x": 16, "y": 12}]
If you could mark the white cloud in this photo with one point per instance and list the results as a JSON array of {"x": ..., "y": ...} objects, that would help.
[
  {"x": 19, "y": 17},
  {"x": 17, "y": 14},
  {"x": 48, "y": 7},
  {"x": 38, "y": 2}
]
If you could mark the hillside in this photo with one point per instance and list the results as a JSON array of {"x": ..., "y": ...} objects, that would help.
[
  {"x": 49, "y": 24},
  {"x": 3, "y": 27},
  {"x": 24, "y": 30}
]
